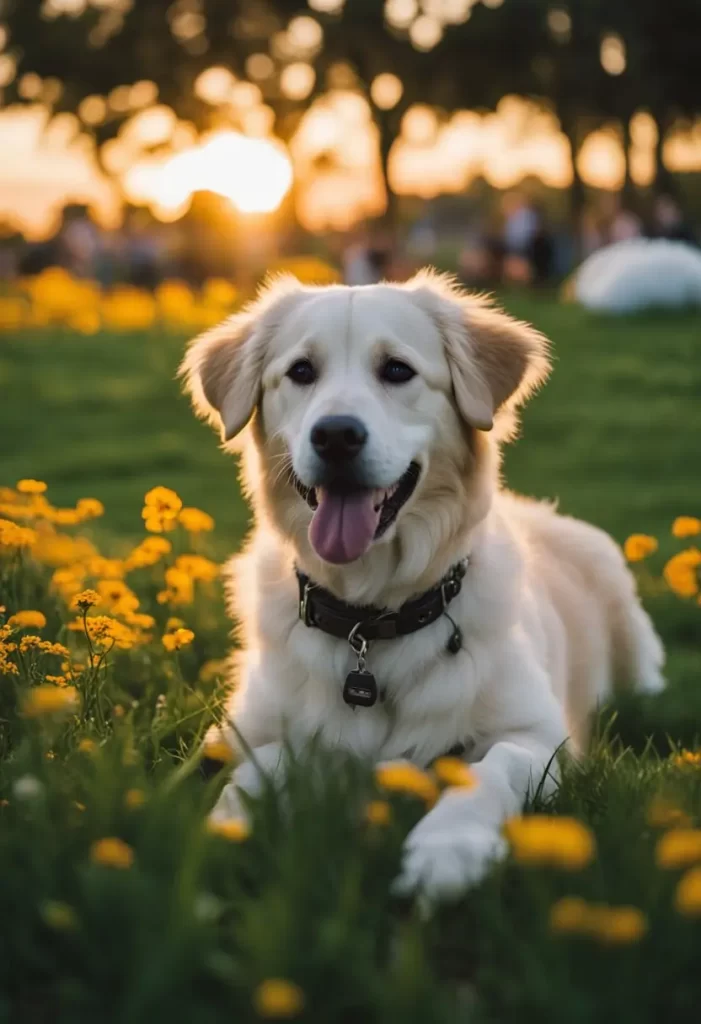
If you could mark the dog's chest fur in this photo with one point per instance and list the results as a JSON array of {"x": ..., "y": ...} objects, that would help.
[{"x": 428, "y": 693}]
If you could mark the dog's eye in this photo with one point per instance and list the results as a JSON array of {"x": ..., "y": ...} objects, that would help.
[
  {"x": 302, "y": 372},
  {"x": 394, "y": 371}
]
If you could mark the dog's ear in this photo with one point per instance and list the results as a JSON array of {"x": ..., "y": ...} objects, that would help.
[
  {"x": 495, "y": 361},
  {"x": 223, "y": 367}
]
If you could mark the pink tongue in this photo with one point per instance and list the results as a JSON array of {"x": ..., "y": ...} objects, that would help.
[{"x": 343, "y": 525}]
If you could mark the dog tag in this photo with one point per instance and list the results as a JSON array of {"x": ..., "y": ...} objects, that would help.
[{"x": 360, "y": 690}]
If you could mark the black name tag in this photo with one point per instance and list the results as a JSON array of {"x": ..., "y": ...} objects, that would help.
[{"x": 360, "y": 690}]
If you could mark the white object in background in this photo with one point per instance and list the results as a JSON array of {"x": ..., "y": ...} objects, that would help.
[{"x": 640, "y": 274}]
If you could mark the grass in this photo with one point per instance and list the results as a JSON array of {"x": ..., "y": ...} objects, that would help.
[{"x": 197, "y": 922}]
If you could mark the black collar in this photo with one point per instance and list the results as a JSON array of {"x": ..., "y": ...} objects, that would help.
[{"x": 319, "y": 608}]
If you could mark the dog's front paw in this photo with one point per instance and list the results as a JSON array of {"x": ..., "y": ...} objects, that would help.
[
  {"x": 444, "y": 863},
  {"x": 229, "y": 805}
]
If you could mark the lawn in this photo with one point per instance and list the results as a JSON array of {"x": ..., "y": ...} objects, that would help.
[{"x": 165, "y": 921}]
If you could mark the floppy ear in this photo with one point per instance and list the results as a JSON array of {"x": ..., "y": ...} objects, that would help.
[
  {"x": 495, "y": 360},
  {"x": 223, "y": 367}
]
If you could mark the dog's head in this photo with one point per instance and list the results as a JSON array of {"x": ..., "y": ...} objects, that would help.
[{"x": 365, "y": 399}]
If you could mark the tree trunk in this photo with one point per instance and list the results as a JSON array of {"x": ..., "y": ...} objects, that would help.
[
  {"x": 577, "y": 193},
  {"x": 630, "y": 194}
]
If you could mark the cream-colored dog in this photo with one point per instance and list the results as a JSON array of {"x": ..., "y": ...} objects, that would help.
[{"x": 372, "y": 463}]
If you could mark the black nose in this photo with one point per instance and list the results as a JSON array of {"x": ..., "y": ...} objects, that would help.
[{"x": 338, "y": 438}]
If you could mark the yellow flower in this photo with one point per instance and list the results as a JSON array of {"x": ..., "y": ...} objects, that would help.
[
  {"x": 12, "y": 313},
  {"x": 217, "y": 750},
  {"x": 611, "y": 925},
  {"x": 407, "y": 778},
  {"x": 134, "y": 798},
  {"x": 378, "y": 812},
  {"x": 174, "y": 623},
  {"x": 195, "y": 521},
  {"x": 50, "y": 700},
  {"x": 618, "y": 926},
  {"x": 163, "y": 501},
  {"x": 197, "y": 568},
  {"x": 87, "y": 746},
  {"x": 219, "y": 292},
  {"x": 681, "y": 574},
  {"x": 86, "y": 321},
  {"x": 180, "y": 588},
  {"x": 452, "y": 771},
  {"x": 147, "y": 553},
  {"x": 129, "y": 309},
  {"x": 639, "y": 546},
  {"x": 14, "y": 536},
  {"x": 278, "y": 999},
  {"x": 104, "y": 631},
  {"x": 107, "y": 568},
  {"x": 112, "y": 853},
  {"x": 84, "y": 600},
  {"x": 59, "y": 916},
  {"x": 686, "y": 526},
  {"x": 688, "y": 759},
  {"x": 31, "y": 486},
  {"x": 559, "y": 842},
  {"x": 569, "y": 916},
  {"x": 177, "y": 640},
  {"x": 35, "y": 643},
  {"x": 212, "y": 668},
  {"x": 117, "y": 597},
  {"x": 174, "y": 299},
  {"x": 663, "y": 814},
  {"x": 687, "y": 899},
  {"x": 90, "y": 508},
  {"x": 57, "y": 680},
  {"x": 678, "y": 848},
  {"x": 27, "y": 620},
  {"x": 236, "y": 830}
]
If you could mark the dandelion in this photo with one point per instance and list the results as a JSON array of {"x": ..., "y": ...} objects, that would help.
[
  {"x": 688, "y": 759},
  {"x": 31, "y": 486},
  {"x": 664, "y": 814},
  {"x": 686, "y": 526},
  {"x": 195, "y": 521},
  {"x": 278, "y": 999},
  {"x": 618, "y": 926},
  {"x": 687, "y": 898},
  {"x": 678, "y": 848},
  {"x": 236, "y": 830},
  {"x": 680, "y": 572},
  {"x": 43, "y": 700},
  {"x": 59, "y": 916},
  {"x": 27, "y": 620},
  {"x": 638, "y": 546},
  {"x": 452, "y": 771},
  {"x": 112, "y": 853},
  {"x": 197, "y": 568},
  {"x": 84, "y": 600},
  {"x": 403, "y": 777},
  {"x": 218, "y": 750},
  {"x": 378, "y": 812},
  {"x": 177, "y": 640},
  {"x": 559, "y": 842},
  {"x": 134, "y": 798}
]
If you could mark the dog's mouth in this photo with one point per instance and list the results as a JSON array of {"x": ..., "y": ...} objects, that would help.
[{"x": 346, "y": 522}]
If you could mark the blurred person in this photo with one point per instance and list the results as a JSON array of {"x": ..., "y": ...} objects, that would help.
[
  {"x": 79, "y": 242},
  {"x": 365, "y": 260},
  {"x": 668, "y": 221}
]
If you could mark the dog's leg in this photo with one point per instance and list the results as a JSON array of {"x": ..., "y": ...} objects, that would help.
[
  {"x": 454, "y": 845},
  {"x": 266, "y": 765}
]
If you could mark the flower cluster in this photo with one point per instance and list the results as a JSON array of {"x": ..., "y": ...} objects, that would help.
[
  {"x": 610, "y": 925},
  {"x": 539, "y": 839},
  {"x": 681, "y": 571}
]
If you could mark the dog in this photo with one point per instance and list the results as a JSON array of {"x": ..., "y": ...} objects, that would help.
[{"x": 393, "y": 600}]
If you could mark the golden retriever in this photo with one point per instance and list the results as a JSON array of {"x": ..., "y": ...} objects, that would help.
[{"x": 485, "y": 622}]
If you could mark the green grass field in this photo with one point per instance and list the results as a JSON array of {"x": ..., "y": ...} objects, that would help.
[{"x": 190, "y": 925}]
